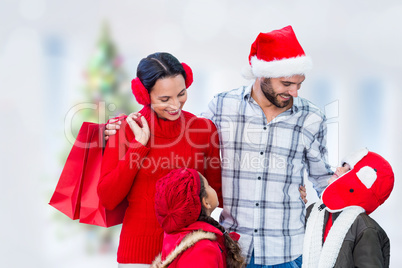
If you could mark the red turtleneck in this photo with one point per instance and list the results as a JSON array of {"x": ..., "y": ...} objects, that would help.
[{"x": 130, "y": 170}]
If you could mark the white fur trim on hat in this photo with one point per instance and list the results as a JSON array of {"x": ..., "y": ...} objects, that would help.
[
  {"x": 353, "y": 158},
  {"x": 247, "y": 73},
  {"x": 279, "y": 68},
  {"x": 367, "y": 176}
]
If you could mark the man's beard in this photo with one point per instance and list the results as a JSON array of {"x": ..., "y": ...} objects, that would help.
[{"x": 269, "y": 93}]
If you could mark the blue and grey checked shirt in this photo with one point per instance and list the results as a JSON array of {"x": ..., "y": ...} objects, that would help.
[{"x": 263, "y": 165}]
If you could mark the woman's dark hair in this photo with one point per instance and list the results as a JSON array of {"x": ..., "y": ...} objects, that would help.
[
  {"x": 156, "y": 66},
  {"x": 234, "y": 259}
]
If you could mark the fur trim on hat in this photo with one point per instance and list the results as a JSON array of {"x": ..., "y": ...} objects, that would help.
[
  {"x": 188, "y": 241},
  {"x": 247, "y": 73},
  {"x": 353, "y": 158},
  {"x": 367, "y": 176},
  {"x": 278, "y": 68}
]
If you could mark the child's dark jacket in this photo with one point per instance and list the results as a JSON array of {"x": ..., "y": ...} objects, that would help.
[{"x": 365, "y": 245}]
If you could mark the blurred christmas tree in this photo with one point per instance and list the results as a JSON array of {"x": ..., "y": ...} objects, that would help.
[
  {"x": 106, "y": 87},
  {"x": 107, "y": 90},
  {"x": 106, "y": 82}
]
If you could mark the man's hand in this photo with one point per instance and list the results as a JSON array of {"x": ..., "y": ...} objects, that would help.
[
  {"x": 112, "y": 126},
  {"x": 303, "y": 193}
]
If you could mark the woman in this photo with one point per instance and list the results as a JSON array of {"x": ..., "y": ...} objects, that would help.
[{"x": 151, "y": 143}]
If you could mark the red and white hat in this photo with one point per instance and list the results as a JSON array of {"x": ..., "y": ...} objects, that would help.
[
  {"x": 277, "y": 54},
  {"x": 368, "y": 184}
]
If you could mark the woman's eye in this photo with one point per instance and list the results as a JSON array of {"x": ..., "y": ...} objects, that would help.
[{"x": 164, "y": 100}]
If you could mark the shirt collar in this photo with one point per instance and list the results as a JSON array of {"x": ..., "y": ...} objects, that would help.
[
  {"x": 247, "y": 92},
  {"x": 247, "y": 97},
  {"x": 296, "y": 105}
]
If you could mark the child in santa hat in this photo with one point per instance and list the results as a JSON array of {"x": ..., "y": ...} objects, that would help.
[
  {"x": 184, "y": 202},
  {"x": 339, "y": 232}
]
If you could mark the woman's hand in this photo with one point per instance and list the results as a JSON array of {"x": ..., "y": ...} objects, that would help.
[
  {"x": 139, "y": 126},
  {"x": 303, "y": 193}
]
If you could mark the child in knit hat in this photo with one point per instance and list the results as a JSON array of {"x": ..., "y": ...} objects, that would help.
[
  {"x": 339, "y": 232},
  {"x": 184, "y": 202}
]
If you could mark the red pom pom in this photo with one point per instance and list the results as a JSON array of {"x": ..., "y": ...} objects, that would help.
[
  {"x": 189, "y": 74},
  {"x": 140, "y": 92}
]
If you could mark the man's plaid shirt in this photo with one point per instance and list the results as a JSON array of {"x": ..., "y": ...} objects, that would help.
[{"x": 263, "y": 165}]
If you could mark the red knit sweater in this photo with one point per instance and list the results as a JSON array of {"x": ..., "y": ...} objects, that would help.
[{"x": 130, "y": 170}]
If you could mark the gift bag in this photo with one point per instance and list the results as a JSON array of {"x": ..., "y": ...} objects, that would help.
[
  {"x": 76, "y": 192},
  {"x": 91, "y": 210},
  {"x": 67, "y": 195}
]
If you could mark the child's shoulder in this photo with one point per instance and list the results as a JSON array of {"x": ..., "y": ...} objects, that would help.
[
  {"x": 367, "y": 230},
  {"x": 364, "y": 222},
  {"x": 199, "y": 247},
  {"x": 203, "y": 248}
]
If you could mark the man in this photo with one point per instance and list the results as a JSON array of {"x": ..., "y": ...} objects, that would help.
[{"x": 269, "y": 137}]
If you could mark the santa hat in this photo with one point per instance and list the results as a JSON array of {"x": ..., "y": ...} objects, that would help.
[
  {"x": 177, "y": 199},
  {"x": 368, "y": 184},
  {"x": 141, "y": 93},
  {"x": 277, "y": 54}
]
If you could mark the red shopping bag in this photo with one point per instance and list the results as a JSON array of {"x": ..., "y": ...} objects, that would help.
[
  {"x": 76, "y": 192},
  {"x": 67, "y": 195},
  {"x": 91, "y": 210}
]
